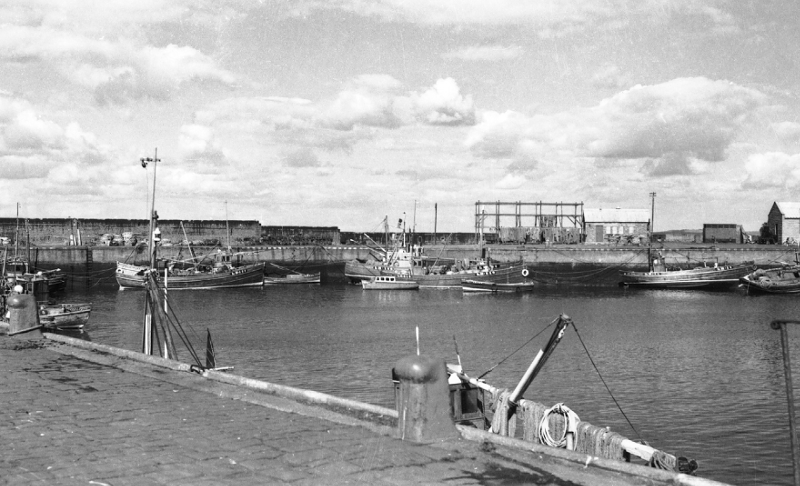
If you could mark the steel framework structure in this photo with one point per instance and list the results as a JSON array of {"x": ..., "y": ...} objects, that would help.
[{"x": 531, "y": 214}]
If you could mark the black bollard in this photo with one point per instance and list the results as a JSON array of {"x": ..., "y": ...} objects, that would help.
[
  {"x": 23, "y": 317},
  {"x": 423, "y": 404}
]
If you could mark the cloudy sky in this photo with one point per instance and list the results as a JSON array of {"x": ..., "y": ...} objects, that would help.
[{"x": 342, "y": 112}]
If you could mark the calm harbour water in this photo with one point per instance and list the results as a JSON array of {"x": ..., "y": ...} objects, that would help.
[{"x": 698, "y": 373}]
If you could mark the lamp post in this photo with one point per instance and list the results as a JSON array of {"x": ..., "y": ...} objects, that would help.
[{"x": 152, "y": 245}]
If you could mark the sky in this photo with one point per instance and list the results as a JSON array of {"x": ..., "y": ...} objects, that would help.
[{"x": 346, "y": 112}]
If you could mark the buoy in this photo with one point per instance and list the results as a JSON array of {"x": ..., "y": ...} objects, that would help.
[{"x": 525, "y": 272}]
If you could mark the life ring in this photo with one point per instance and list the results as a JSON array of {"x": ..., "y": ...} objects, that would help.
[
  {"x": 525, "y": 272},
  {"x": 43, "y": 312}
]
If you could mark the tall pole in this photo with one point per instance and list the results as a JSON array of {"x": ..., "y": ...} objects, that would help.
[
  {"x": 227, "y": 228},
  {"x": 16, "y": 234},
  {"x": 787, "y": 371},
  {"x": 435, "y": 219},
  {"x": 152, "y": 245},
  {"x": 414, "y": 228},
  {"x": 652, "y": 213},
  {"x": 404, "y": 229}
]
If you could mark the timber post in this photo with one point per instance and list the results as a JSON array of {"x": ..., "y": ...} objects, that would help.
[
  {"x": 23, "y": 319},
  {"x": 423, "y": 401}
]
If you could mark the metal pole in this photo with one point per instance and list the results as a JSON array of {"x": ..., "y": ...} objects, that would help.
[
  {"x": 787, "y": 370},
  {"x": 151, "y": 248},
  {"x": 652, "y": 213},
  {"x": 153, "y": 212},
  {"x": 435, "y": 219}
]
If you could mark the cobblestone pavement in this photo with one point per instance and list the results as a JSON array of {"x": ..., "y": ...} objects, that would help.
[{"x": 66, "y": 420}]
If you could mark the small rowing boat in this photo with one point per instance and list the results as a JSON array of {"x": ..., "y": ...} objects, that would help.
[{"x": 388, "y": 282}]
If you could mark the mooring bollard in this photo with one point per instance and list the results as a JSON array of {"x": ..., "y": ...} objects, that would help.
[
  {"x": 23, "y": 319},
  {"x": 423, "y": 402}
]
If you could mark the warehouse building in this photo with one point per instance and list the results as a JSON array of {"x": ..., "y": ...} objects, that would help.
[
  {"x": 616, "y": 226},
  {"x": 723, "y": 233},
  {"x": 784, "y": 221}
]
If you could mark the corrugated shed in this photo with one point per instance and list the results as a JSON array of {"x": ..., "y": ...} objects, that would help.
[
  {"x": 789, "y": 209},
  {"x": 616, "y": 215}
]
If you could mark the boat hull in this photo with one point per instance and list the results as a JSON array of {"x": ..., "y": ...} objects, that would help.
[
  {"x": 692, "y": 278},
  {"x": 131, "y": 277},
  {"x": 469, "y": 285},
  {"x": 400, "y": 285},
  {"x": 774, "y": 281},
  {"x": 64, "y": 316},
  {"x": 293, "y": 279}
]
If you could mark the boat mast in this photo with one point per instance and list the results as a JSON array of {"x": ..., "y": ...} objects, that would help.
[
  {"x": 152, "y": 243},
  {"x": 227, "y": 227},
  {"x": 16, "y": 235},
  {"x": 650, "y": 239}
]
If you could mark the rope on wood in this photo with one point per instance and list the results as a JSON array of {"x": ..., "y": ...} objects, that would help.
[
  {"x": 571, "y": 421},
  {"x": 532, "y": 413},
  {"x": 503, "y": 423},
  {"x": 662, "y": 460}
]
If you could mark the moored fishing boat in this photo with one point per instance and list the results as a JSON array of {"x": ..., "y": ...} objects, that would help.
[
  {"x": 784, "y": 280},
  {"x": 293, "y": 278},
  {"x": 18, "y": 269},
  {"x": 471, "y": 285},
  {"x": 388, "y": 282},
  {"x": 662, "y": 277},
  {"x": 64, "y": 316},
  {"x": 478, "y": 405},
  {"x": 289, "y": 277},
  {"x": 223, "y": 273},
  {"x": 428, "y": 271}
]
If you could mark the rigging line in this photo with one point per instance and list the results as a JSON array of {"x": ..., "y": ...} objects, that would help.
[
  {"x": 175, "y": 323},
  {"x": 513, "y": 352},
  {"x": 604, "y": 382}
]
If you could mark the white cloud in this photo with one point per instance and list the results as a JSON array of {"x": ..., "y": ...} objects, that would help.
[
  {"x": 669, "y": 123},
  {"x": 772, "y": 170},
  {"x": 787, "y": 131},
  {"x": 610, "y": 76},
  {"x": 511, "y": 181},
  {"x": 117, "y": 70},
  {"x": 486, "y": 53}
]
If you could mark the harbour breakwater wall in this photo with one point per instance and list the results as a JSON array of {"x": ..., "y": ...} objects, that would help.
[{"x": 575, "y": 264}]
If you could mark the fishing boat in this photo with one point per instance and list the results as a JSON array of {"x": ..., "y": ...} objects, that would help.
[
  {"x": 224, "y": 272},
  {"x": 471, "y": 285},
  {"x": 784, "y": 280},
  {"x": 428, "y": 271},
  {"x": 64, "y": 316},
  {"x": 661, "y": 276},
  {"x": 291, "y": 277},
  {"x": 500, "y": 277},
  {"x": 18, "y": 269},
  {"x": 478, "y": 405},
  {"x": 388, "y": 282}
]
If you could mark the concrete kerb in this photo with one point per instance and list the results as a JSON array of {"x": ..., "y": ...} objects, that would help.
[{"x": 583, "y": 461}]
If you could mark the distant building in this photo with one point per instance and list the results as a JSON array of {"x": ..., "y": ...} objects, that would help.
[
  {"x": 679, "y": 236},
  {"x": 722, "y": 233},
  {"x": 784, "y": 221},
  {"x": 616, "y": 225}
]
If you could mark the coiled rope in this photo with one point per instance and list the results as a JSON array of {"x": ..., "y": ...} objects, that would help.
[{"x": 571, "y": 421}]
